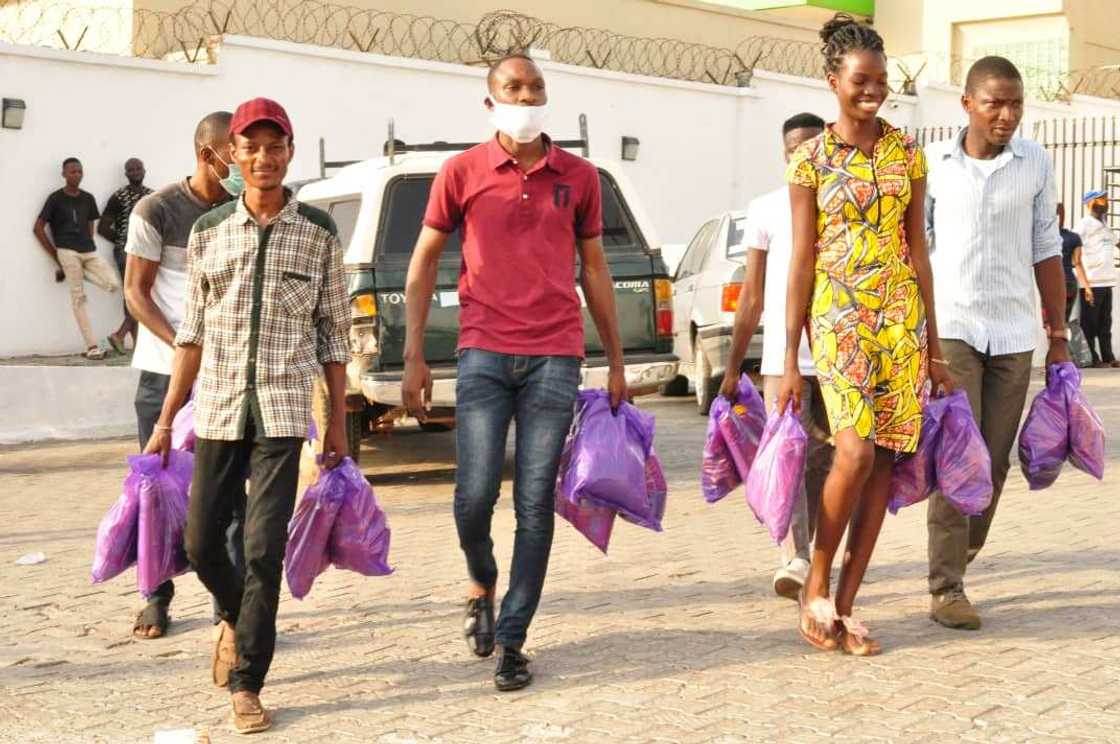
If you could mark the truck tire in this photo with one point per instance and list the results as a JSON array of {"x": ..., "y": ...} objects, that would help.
[
  {"x": 675, "y": 387},
  {"x": 355, "y": 432},
  {"x": 707, "y": 387}
]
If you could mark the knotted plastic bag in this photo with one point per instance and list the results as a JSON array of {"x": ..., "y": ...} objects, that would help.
[
  {"x": 609, "y": 459},
  {"x": 734, "y": 432},
  {"x": 360, "y": 538},
  {"x": 963, "y": 464},
  {"x": 593, "y": 522},
  {"x": 914, "y": 477},
  {"x": 164, "y": 493},
  {"x": 1044, "y": 438},
  {"x": 778, "y": 474},
  {"x": 337, "y": 521},
  {"x": 114, "y": 550}
]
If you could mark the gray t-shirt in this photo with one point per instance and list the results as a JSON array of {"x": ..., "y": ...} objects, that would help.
[{"x": 158, "y": 230}]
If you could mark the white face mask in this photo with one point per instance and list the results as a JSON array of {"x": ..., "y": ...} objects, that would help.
[{"x": 523, "y": 124}]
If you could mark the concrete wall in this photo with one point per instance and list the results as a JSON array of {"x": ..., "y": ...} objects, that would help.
[
  {"x": 704, "y": 148},
  {"x": 66, "y": 403}
]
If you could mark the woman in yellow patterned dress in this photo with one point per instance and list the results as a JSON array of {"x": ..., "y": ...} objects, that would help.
[{"x": 860, "y": 275}]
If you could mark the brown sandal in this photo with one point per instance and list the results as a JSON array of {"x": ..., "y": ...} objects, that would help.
[
  {"x": 854, "y": 639},
  {"x": 248, "y": 715},
  {"x": 821, "y": 612},
  {"x": 225, "y": 655}
]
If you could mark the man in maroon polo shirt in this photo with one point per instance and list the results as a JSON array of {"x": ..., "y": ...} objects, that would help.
[{"x": 524, "y": 208}]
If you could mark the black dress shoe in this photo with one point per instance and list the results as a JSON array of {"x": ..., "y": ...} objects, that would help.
[
  {"x": 478, "y": 626},
  {"x": 513, "y": 671}
]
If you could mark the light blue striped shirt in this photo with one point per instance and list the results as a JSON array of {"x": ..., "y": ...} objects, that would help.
[{"x": 986, "y": 233}]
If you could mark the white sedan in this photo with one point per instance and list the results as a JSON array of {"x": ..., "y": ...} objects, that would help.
[{"x": 706, "y": 288}]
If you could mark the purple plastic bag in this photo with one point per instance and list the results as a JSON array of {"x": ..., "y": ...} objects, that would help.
[
  {"x": 1044, "y": 438},
  {"x": 607, "y": 466},
  {"x": 1086, "y": 431},
  {"x": 182, "y": 428},
  {"x": 778, "y": 474},
  {"x": 734, "y": 432},
  {"x": 307, "y": 554},
  {"x": 963, "y": 465},
  {"x": 114, "y": 551},
  {"x": 593, "y": 522},
  {"x": 914, "y": 478},
  {"x": 163, "y": 494},
  {"x": 360, "y": 536}
]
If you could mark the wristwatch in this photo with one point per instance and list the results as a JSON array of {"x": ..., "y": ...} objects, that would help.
[{"x": 1062, "y": 335}]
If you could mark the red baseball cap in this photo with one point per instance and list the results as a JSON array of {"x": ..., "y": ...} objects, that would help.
[{"x": 259, "y": 109}]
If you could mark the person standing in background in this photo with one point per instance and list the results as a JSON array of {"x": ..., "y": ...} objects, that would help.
[
  {"x": 1098, "y": 254},
  {"x": 71, "y": 214},
  {"x": 1076, "y": 280},
  {"x": 113, "y": 226}
]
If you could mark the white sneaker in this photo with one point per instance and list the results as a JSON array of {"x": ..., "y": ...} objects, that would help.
[{"x": 789, "y": 579}]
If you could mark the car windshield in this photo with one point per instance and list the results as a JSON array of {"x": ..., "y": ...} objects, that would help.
[{"x": 735, "y": 232}]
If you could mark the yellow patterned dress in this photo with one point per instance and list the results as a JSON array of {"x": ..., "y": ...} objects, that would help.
[{"x": 867, "y": 323}]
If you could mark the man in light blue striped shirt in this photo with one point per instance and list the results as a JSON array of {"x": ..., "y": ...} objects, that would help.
[{"x": 993, "y": 236}]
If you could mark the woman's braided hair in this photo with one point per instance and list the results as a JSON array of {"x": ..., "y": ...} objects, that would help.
[{"x": 844, "y": 34}]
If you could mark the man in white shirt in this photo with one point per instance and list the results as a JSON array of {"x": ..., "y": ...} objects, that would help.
[
  {"x": 991, "y": 217},
  {"x": 1098, "y": 256},
  {"x": 155, "y": 289},
  {"x": 769, "y": 239}
]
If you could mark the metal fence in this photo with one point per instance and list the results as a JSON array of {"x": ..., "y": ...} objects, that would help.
[{"x": 1085, "y": 152}]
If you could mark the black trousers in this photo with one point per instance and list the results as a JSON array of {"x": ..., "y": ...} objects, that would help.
[
  {"x": 1096, "y": 322},
  {"x": 248, "y": 603},
  {"x": 150, "y": 393}
]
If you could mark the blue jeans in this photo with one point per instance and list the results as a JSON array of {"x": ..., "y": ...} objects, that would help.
[{"x": 538, "y": 392}]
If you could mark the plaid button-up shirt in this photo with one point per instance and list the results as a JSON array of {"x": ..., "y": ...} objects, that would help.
[{"x": 267, "y": 305}]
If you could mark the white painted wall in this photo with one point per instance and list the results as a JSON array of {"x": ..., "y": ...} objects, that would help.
[
  {"x": 38, "y": 403},
  {"x": 704, "y": 148}
]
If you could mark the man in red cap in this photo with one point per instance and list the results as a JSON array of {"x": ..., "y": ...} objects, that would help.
[{"x": 266, "y": 306}]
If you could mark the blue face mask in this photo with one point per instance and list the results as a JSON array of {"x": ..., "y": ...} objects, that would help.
[{"x": 234, "y": 183}]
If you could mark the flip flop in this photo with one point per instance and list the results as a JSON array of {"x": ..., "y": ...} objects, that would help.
[
  {"x": 854, "y": 629},
  {"x": 94, "y": 353},
  {"x": 822, "y": 612},
  {"x": 116, "y": 343}
]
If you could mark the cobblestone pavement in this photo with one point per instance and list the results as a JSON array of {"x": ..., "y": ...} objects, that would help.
[{"x": 674, "y": 637}]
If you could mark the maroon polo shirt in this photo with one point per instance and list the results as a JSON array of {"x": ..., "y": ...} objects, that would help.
[{"x": 517, "y": 289}]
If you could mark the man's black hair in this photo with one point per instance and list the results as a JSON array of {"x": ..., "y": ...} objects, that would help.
[
  {"x": 213, "y": 130},
  {"x": 398, "y": 146},
  {"x": 990, "y": 67},
  {"x": 802, "y": 121},
  {"x": 498, "y": 63},
  {"x": 68, "y": 161}
]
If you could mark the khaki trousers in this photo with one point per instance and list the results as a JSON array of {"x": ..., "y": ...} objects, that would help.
[
  {"x": 997, "y": 390},
  {"x": 81, "y": 266},
  {"x": 818, "y": 461}
]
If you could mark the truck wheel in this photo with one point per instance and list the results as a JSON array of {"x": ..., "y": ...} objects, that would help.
[
  {"x": 355, "y": 432},
  {"x": 706, "y": 386},
  {"x": 675, "y": 387},
  {"x": 433, "y": 427}
]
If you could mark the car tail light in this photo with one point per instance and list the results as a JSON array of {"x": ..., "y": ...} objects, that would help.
[
  {"x": 730, "y": 298},
  {"x": 663, "y": 306},
  {"x": 363, "y": 307}
]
